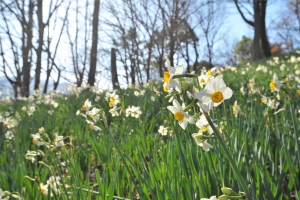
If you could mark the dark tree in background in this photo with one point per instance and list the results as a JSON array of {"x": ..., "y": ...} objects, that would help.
[
  {"x": 21, "y": 12},
  {"x": 93, "y": 62},
  {"x": 261, "y": 46},
  {"x": 114, "y": 73},
  {"x": 41, "y": 28}
]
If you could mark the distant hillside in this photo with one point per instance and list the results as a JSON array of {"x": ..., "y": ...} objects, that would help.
[{"x": 5, "y": 86}]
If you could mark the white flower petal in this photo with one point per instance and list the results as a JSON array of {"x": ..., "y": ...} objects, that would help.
[
  {"x": 206, "y": 146},
  {"x": 227, "y": 93},
  {"x": 218, "y": 83},
  {"x": 179, "y": 69},
  {"x": 206, "y": 99},
  {"x": 202, "y": 93},
  {"x": 208, "y": 106},
  {"x": 173, "y": 109},
  {"x": 191, "y": 120},
  {"x": 183, "y": 124},
  {"x": 177, "y": 104}
]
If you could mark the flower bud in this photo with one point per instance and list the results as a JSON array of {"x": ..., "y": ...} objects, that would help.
[
  {"x": 223, "y": 197},
  {"x": 229, "y": 191},
  {"x": 185, "y": 85},
  {"x": 200, "y": 137}
]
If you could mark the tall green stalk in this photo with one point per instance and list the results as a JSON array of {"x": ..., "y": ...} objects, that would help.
[{"x": 229, "y": 157}]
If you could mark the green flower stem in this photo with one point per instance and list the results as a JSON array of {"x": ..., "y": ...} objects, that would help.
[
  {"x": 230, "y": 159},
  {"x": 190, "y": 105},
  {"x": 184, "y": 75},
  {"x": 236, "y": 197}
]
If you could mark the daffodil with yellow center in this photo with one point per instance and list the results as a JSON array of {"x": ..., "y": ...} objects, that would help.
[
  {"x": 203, "y": 79},
  {"x": 202, "y": 141},
  {"x": 264, "y": 99},
  {"x": 113, "y": 99},
  {"x": 203, "y": 125},
  {"x": 43, "y": 190},
  {"x": 86, "y": 106},
  {"x": 182, "y": 117},
  {"x": 41, "y": 130},
  {"x": 235, "y": 108},
  {"x": 58, "y": 141},
  {"x": 214, "y": 93},
  {"x": 168, "y": 76},
  {"x": 91, "y": 126},
  {"x": 275, "y": 84},
  {"x": 36, "y": 139},
  {"x": 298, "y": 92}
]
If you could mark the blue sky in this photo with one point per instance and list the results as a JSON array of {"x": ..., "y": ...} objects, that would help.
[{"x": 240, "y": 27}]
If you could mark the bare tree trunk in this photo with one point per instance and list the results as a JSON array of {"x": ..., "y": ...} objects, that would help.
[
  {"x": 52, "y": 54},
  {"x": 93, "y": 63},
  {"x": 27, "y": 50},
  {"x": 114, "y": 74},
  {"x": 40, "y": 45},
  {"x": 264, "y": 40},
  {"x": 261, "y": 46},
  {"x": 257, "y": 54},
  {"x": 150, "y": 46},
  {"x": 132, "y": 70}
]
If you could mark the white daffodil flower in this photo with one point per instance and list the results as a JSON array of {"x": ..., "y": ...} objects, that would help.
[
  {"x": 201, "y": 141},
  {"x": 86, "y": 106},
  {"x": 275, "y": 84},
  {"x": 182, "y": 117},
  {"x": 203, "y": 125},
  {"x": 36, "y": 139},
  {"x": 168, "y": 76},
  {"x": 58, "y": 140},
  {"x": 214, "y": 93},
  {"x": 163, "y": 130}
]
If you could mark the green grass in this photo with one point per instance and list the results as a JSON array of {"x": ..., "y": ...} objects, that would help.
[{"x": 129, "y": 158}]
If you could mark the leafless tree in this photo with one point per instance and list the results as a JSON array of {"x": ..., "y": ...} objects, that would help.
[
  {"x": 188, "y": 45},
  {"x": 19, "y": 14},
  {"x": 287, "y": 26},
  {"x": 122, "y": 39},
  {"x": 261, "y": 46},
  {"x": 210, "y": 21},
  {"x": 28, "y": 45},
  {"x": 41, "y": 28},
  {"x": 78, "y": 41},
  {"x": 94, "y": 49}
]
